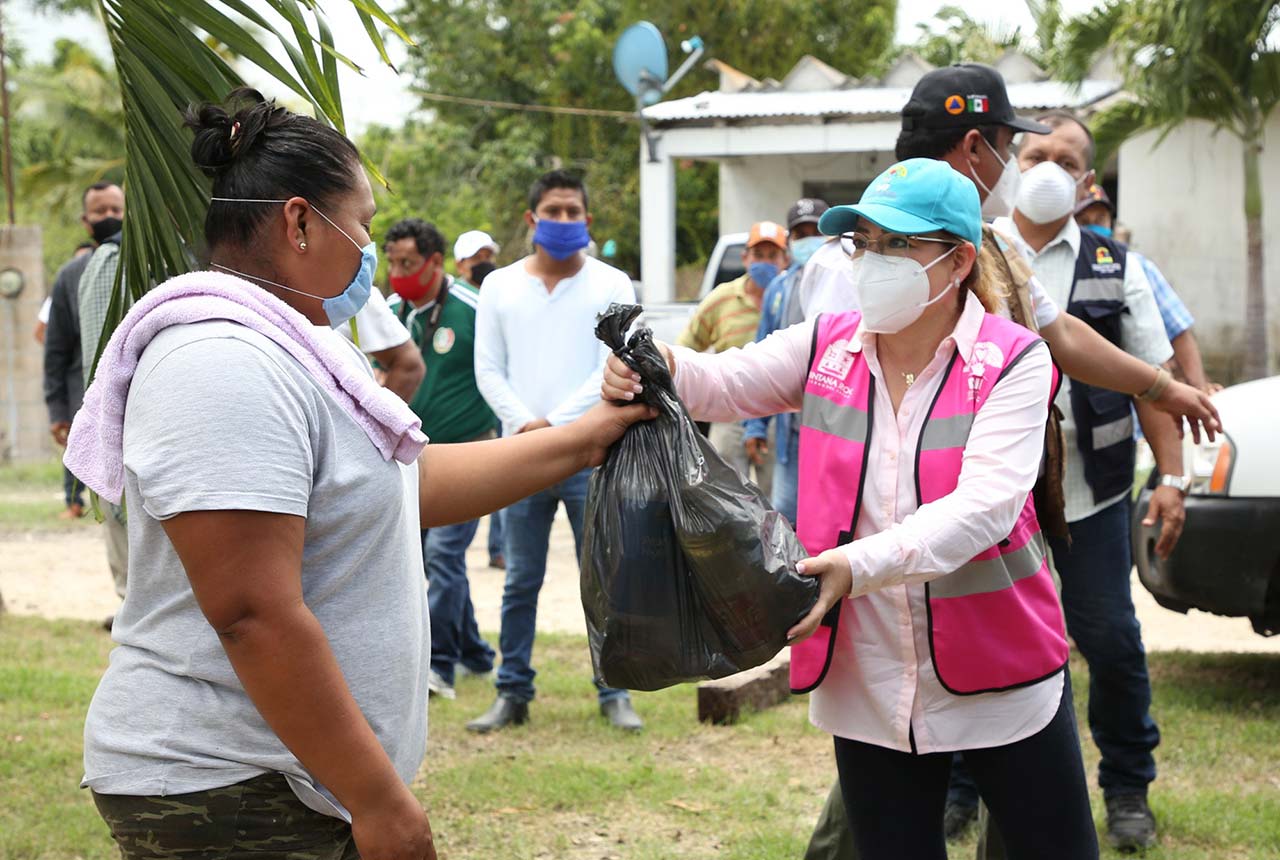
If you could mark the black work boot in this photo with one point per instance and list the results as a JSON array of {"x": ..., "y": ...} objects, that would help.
[
  {"x": 621, "y": 715},
  {"x": 502, "y": 713},
  {"x": 1130, "y": 824}
]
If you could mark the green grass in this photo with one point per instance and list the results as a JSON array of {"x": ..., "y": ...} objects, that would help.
[
  {"x": 31, "y": 498},
  {"x": 567, "y": 786}
]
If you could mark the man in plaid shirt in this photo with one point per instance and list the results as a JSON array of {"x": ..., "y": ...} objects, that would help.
[{"x": 1097, "y": 213}]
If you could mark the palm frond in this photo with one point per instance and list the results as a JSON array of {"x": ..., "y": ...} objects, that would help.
[{"x": 164, "y": 64}]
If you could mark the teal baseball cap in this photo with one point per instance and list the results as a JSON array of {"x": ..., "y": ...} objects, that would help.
[{"x": 918, "y": 195}]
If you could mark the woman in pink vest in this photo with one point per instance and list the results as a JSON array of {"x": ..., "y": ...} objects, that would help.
[{"x": 938, "y": 628}]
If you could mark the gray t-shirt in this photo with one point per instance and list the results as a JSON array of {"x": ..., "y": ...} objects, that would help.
[{"x": 221, "y": 418}]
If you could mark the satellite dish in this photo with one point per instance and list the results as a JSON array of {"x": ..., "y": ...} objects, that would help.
[{"x": 640, "y": 62}]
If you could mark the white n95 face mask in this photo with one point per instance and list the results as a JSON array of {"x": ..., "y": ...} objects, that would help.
[
  {"x": 1046, "y": 193},
  {"x": 1001, "y": 196},
  {"x": 893, "y": 291}
]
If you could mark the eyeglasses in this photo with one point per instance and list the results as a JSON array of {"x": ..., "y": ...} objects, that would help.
[{"x": 888, "y": 245}]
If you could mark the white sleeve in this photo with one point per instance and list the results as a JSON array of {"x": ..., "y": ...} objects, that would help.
[
  {"x": 588, "y": 393},
  {"x": 826, "y": 283},
  {"x": 1142, "y": 330},
  {"x": 1046, "y": 309},
  {"x": 43, "y": 315},
  {"x": 491, "y": 363},
  {"x": 377, "y": 326}
]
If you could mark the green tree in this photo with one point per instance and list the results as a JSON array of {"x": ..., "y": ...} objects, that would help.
[
  {"x": 546, "y": 52},
  {"x": 67, "y": 134},
  {"x": 1183, "y": 61},
  {"x": 953, "y": 36}
]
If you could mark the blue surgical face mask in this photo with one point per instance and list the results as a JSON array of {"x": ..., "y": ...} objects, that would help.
[
  {"x": 763, "y": 273},
  {"x": 803, "y": 249},
  {"x": 1100, "y": 229},
  {"x": 561, "y": 239},
  {"x": 346, "y": 304}
]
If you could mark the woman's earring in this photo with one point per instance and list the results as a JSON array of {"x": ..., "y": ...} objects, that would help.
[{"x": 302, "y": 246}]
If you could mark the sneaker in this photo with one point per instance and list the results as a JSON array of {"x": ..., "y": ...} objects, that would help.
[
  {"x": 437, "y": 686},
  {"x": 1131, "y": 826},
  {"x": 957, "y": 819}
]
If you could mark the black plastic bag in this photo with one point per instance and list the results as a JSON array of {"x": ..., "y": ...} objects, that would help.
[{"x": 687, "y": 571}]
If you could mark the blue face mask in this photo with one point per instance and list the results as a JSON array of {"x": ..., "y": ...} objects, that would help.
[
  {"x": 1101, "y": 230},
  {"x": 803, "y": 249},
  {"x": 346, "y": 304},
  {"x": 561, "y": 239},
  {"x": 763, "y": 273}
]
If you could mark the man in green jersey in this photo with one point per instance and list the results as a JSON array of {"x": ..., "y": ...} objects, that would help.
[{"x": 440, "y": 313}]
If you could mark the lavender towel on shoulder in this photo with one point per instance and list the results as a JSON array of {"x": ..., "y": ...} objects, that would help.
[{"x": 95, "y": 447}]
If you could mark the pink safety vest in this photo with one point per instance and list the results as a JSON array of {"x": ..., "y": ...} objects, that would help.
[{"x": 995, "y": 623}]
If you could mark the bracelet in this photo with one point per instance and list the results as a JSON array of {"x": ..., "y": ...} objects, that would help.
[{"x": 1163, "y": 378}]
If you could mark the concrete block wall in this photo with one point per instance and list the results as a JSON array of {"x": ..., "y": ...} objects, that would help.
[{"x": 24, "y": 423}]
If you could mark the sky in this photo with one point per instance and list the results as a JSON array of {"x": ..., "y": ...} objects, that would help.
[{"x": 382, "y": 97}]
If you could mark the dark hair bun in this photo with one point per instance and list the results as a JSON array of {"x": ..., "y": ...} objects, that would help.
[
  {"x": 254, "y": 150},
  {"x": 223, "y": 134}
]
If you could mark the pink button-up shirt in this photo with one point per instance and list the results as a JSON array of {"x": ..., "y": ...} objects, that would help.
[{"x": 881, "y": 687}]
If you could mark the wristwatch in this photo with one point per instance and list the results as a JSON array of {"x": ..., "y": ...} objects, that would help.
[{"x": 1178, "y": 482}]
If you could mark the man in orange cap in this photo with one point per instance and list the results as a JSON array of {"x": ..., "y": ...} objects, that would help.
[{"x": 729, "y": 317}]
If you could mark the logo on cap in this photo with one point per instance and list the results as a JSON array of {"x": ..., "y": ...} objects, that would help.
[
  {"x": 1104, "y": 257},
  {"x": 954, "y": 105},
  {"x": 978, "y": 104}
]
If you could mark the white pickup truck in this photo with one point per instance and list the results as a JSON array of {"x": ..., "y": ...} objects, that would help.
[{"x": 668, "y": 319}]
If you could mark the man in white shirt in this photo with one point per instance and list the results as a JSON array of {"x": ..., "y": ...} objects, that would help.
[
  {"x": 539, "y": 364},
  {"x": 1089, "y": 275},
  {"x": 384, "y": 339}
]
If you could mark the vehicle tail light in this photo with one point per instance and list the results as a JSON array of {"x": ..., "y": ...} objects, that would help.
[
  {"x": 1210, "y": 465},
  {"x": 1222, "y": 469}
]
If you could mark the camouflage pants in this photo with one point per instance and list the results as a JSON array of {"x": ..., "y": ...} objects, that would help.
[{"x": 260, "y": 818}]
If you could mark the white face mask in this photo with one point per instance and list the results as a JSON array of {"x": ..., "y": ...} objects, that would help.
[
  {"x": 1047, "y": 193},
  {"x": 1000, "y": 196},
  {"x": 893, "y": 291}
]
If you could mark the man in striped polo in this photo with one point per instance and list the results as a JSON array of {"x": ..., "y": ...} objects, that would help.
[{"x": 729, "y": 317}]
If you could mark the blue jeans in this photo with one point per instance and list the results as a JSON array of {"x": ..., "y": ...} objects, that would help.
[
  {"x": 455, "y": 638},
  {"x": 1100, "y": 618},
  {"x": 497, "y": 539},
  {"x": 786, "y": 478},
  {"x": 72, "y": 489},
  {"x": 528, "y": 532}
]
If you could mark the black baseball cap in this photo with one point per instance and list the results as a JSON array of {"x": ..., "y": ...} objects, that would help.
[
  {"x": 966, "y": 95},
  {"x": 806, "y": 210}
]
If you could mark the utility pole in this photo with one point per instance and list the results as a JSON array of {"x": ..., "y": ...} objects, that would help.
[{"x": 4, "y": 112}]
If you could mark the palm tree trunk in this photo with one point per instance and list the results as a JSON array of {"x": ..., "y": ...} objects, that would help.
[{"x": 1257, "y": 359}]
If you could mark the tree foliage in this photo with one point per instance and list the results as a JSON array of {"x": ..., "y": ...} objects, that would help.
[
  {"x": 1181, "y": 61},
  {"x": 68, "y": 132},
  {"x": 471, "y": 167}
]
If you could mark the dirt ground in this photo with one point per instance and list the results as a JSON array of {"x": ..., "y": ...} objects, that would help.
[{"x": 64, "y": 575}]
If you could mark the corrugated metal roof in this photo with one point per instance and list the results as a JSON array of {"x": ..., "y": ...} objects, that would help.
[{"x": 859, "y": 101}]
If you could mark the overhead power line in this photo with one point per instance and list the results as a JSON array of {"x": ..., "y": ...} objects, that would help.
[{"x": 516, "y": 106}]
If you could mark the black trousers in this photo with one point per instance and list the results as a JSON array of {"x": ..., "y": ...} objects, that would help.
[{"x": 1035, "y": 788}]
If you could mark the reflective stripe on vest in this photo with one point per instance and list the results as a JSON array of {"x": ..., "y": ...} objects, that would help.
[
  {"x": 995, "y": 622},
  {"x": 1103, "y": 419}
]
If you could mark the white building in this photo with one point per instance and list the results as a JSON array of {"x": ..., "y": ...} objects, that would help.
[{"x": 821, "y": 133}]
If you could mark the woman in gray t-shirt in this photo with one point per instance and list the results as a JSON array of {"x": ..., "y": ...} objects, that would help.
[{"x": 268, "y": 695}]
